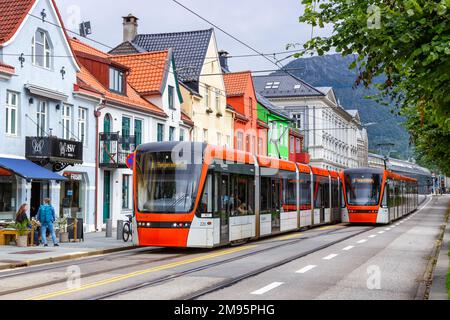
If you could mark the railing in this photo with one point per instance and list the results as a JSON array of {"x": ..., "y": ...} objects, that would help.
[{"x": 114, "y": 149}]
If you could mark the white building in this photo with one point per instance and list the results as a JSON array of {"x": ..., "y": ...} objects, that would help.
[
  {"x": 42, "y": 118},
  {"x": 331, "y": 133}
]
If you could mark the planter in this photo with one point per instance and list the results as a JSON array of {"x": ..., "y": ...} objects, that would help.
[
  {"x": 22, "y": 241},
  {"x": 63, "y": 237}
]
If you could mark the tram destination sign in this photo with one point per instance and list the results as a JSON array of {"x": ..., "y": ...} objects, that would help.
[{"x": 54, "y": 150}]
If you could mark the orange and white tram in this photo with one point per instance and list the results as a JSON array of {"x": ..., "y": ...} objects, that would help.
[
  {"x": 377, "y": 196},
  {"x": 195, "y": 195}
]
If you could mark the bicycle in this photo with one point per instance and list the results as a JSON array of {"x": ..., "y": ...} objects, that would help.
[{"x": 127, "y": 230}]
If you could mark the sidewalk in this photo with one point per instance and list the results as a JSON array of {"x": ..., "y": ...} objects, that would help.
[
  {"x": 438, "y": 290},
  {"x": 94, "y": 244}
]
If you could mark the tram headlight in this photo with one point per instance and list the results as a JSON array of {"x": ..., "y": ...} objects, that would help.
[
  {"x": 175, "y": 225},
  {"x": 149, "y": 224}
]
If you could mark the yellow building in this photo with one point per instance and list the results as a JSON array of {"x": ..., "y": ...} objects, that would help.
[{"x": 197, "y": 64}]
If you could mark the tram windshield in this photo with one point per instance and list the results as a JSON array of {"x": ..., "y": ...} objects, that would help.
[
  {"x": 363, "y": 189},
  {"x": 164, "y": 186}
]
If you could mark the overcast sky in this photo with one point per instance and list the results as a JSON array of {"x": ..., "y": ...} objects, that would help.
[{"x": 267, "y": 25}]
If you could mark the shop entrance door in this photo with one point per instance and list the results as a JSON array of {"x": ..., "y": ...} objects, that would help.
[
  {"x": 106, "y": 195},
  {"x": 35, "y": 200}
]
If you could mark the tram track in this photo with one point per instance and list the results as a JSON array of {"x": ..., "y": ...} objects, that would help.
[{"x": 230, "y": 282}]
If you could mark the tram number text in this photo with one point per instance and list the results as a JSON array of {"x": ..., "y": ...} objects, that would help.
[{"x": 246, "y": 310}]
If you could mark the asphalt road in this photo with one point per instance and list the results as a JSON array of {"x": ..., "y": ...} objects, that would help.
[{"x": 333, "y": 262}]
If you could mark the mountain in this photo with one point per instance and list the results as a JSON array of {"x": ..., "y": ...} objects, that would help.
[{"x": 333, "y": 71}]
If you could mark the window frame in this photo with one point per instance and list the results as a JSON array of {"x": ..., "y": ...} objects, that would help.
[
  {"x": 171, "y": 97},
  {"x": 46, "y": 50},
  {"x": 116, "y": 80},
  {"x": 9, "y": 108},
  {"x": 66, "y": 121},
  {"x": 42, "y": 130}
]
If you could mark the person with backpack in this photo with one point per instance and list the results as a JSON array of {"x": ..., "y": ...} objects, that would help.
[{"x": 46, "y": 216}]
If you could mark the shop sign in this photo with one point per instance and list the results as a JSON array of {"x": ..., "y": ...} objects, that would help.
[
  {"x": 54, "y": 149},
  {"x": 73, "y": 176}
]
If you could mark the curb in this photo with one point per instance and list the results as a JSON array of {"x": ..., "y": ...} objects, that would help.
[
  {"x": 424, "y": 290},
  {"x": 29, "y": 263},
  {"x": 438, "y": 289}
]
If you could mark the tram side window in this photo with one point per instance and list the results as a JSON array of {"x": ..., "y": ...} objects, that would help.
[
  {"x": 334, "y": 193},
  {"x": 243, "y": 192},
  {"x": 325, "y": 182},
  {"x": 266, "y": 195},
  {"x": 289, "y": 192},
  {"x": 384, "y": 202},
  {"x": 318, "y": 193},
  {"x": 206, "y": 201},
  {"x": 224, "y": 198},
  {"x": 305, "y": 191}
]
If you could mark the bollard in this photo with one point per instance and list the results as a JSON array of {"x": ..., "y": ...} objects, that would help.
[
  {"x": 119, "y": 229},
  {"x": 109, "y": 228}
]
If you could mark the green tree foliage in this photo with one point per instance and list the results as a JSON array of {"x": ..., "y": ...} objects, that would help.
[{"x": 408, "y": 42}]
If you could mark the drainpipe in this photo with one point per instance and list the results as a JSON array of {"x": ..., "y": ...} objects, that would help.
[{"x": 97, "y": 114}]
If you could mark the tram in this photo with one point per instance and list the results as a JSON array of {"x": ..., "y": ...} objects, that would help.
[
  {"x": 196, "y": 195},
  {"x": 377, "y": 196}
]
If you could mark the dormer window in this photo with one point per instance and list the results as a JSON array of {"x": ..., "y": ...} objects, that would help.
[
  {"x": 272, "y": 85},
  {"x": 116, "y": 80},
  {"x": 41, "y": 49}
]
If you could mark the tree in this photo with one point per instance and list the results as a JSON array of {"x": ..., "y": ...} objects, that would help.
[{"x": 408, "y": 43}]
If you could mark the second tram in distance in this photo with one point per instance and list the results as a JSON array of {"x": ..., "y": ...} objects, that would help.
[
  {"x": 377, "y": 196},
  {"x": 195, "y": 195}
]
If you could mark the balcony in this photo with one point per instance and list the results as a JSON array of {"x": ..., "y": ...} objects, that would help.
[
  {"x": 303, "y": 157},
  {"x": 114, "y": 150}
]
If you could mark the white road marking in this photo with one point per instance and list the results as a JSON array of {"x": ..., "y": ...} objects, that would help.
[
  {"x": 267, "y": 288},
  {"x": 398, "y": 224},
  {"x": 348, "y": 248},
  {"x": 306, "y": 269},
  {"x": 393, "y": 227},
  {"x": 331, "y": 256},
  {"x": 387, "y": 229},
  {"x": 380, "y": 232},
  {"x": 373, "y": 236},
  {"x": 362, "y": 241}
]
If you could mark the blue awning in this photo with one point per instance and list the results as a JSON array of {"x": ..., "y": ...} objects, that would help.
[{"x": 29, "y": 170}]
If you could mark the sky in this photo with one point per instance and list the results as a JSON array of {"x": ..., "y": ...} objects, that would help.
[{"x": 266, "y": 25}]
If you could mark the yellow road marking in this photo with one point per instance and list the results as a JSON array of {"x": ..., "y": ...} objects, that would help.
[
  {"x": 329, "y": 228},
  {"x": 290, "y": 236},
  {"x": 141, "y": 272}
]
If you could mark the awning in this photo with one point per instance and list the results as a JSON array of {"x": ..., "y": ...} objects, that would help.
[{"x": 28, "y": 170}]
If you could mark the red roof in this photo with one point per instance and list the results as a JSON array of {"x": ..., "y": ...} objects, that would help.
[
  {"x": 236, "y": 83},
  {"x": 185, "y": 118},
  {"x": 148, "y": 70},
  {"x": 87, "y": 81},
  {"x": 12, "y": 15},
  {"x": 6, "y": 68}
]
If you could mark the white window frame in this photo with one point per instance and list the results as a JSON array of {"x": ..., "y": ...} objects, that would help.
[
  {"x": 205, "y": 135},
  {"x": 207, "y": 96},
  {"x": 219, "y": 138},
  {"x": 42, "y": 118},
  {"x": 11, "y": 108},
  {"x": 66, "y": 116},
  {"x": 116, "y": 80},
  {"x": 82, "y": 125},
  {"x": 217, "y": 100},
  {"x": 47, "y": 50}
]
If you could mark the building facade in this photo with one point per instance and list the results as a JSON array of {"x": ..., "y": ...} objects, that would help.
[
  {"x": 43, "y": 119},
  {"x": 329, "y": 131},
  {"x": 199, "y": 71}
]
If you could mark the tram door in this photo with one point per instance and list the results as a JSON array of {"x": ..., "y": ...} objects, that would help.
[
  {"x": 276, "y": 205},
  {"x": 225, "y": 207}
]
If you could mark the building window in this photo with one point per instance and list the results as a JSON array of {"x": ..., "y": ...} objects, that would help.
[
  {"x": 11, "y": 112},
  {"x": 292, "y": 145},
  {"x": 247, "y": 143},
  {"x": 228, "y": 140},
  {"x": 260, "y": 146},
  {"x": 138, "y": 131},
  {"x": 41, "y": 117},
  {"x": 298, "y": 120},
  {"x": 82, "y": 130},
  {"x": 239, "y": 141},
  {"x": 272, "y": 85},
  {"x": 205, "y": 135},
  {"x": 126, "y": 192},
  {"x": 217, "y": 100},
  {"x": 171, "y": 100},
  {"x": 297, "y": 146},
  {"x": 41, "y": 49},
  {"x": 207, "y": 98},
  {"x": 181, "y": 134},
  {"x": 116, "y": 80},
  {"x": 126, "y": 124},
  {"x": 219, "y": 139},
  {"x": 160, "y": 132},
  {"x": 67, "y": 121},
  {"x": 171, "y": 133},
  {"x": 250, "y": 107}
]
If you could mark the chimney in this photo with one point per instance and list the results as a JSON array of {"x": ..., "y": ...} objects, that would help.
[
  {"x": 130, "y": 26},
  {"x": 223, "y": 58}
]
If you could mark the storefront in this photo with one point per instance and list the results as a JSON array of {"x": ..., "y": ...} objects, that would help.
[
  {"x": 73, "y": 196},
  {"x": 8, "y": 194}
]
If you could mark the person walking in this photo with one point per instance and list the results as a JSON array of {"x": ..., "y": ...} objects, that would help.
[{"x": 46, "y": 216}]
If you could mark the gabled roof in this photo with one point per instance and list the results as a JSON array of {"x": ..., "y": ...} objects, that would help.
[
  {"x": 88, "y": 82},
  {"x": 284, "y": 85},
  {"x": 236, "y": 83},
  {"x": 127, "y": 47},
  {"x": 148, "y": 71},
  {"x": 329, "y": 93},
  {"x": 189, "y": 48},
  {"x": 270, "y": 106},
  {"x": 12, "y": 15}
]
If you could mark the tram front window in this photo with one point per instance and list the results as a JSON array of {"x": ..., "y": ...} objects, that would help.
[
  {"x": 164, "y": 186},
  {"x": 363, "y": 189}
]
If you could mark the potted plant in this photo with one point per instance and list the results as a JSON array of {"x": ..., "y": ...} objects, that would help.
[
  {"x": 62, "y": 227},
  {"x": 22, "y": 230}
]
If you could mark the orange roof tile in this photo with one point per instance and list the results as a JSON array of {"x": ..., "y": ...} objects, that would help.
[
  {"x": 148, "y": 70},
  {"x": 236, "y": 82},
  {"x": 79, "y": 46},
  {"x": 13, "y": 13}
]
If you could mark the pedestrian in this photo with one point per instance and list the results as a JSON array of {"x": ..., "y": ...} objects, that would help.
[
  {"x": 22, "y": 217},
  {"x": 46, "y": 216}
]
